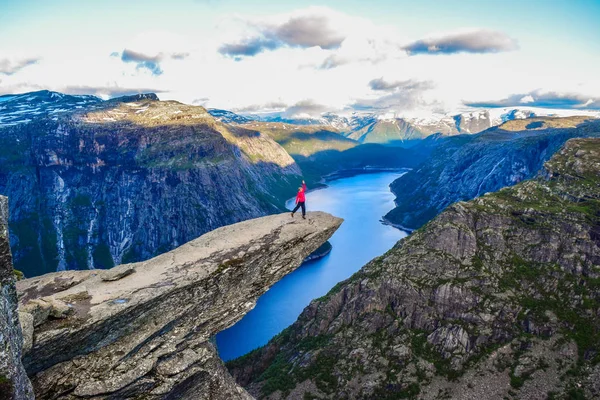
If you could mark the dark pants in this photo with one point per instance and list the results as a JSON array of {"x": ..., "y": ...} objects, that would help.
[{"x": 300, "y": 204}]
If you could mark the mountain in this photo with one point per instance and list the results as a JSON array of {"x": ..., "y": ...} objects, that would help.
[
  {"x": 328, "y": 119},
  {"x": 408, "y": 131},
  {"x": 389, "y": 129},
  {"x": 93, "y": 183},
  {"x": 495, "y": 298},
  {"x": 23, "y": 108},
  {"x": 467, "y": 166},
  {"x": 321, "y": 150},
  {"x": 143, "y": 330},
  {"x": 228, "y": 117},
  {"x": 303, "y": 140},
  {"x": 384, "y": 128}
]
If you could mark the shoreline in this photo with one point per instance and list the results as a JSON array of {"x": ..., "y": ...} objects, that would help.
[
  {"x": 386, "y": 221},
  {"x": 348, "y": 173}
]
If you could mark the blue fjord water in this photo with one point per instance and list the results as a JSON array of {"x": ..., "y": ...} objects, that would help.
[{"x": 361, "y": 200}]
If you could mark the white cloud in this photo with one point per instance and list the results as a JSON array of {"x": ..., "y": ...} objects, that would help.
[
  {"x": 321, "y": 58},
  {"x": 526, "y": 99},
  {"x": 479, "y": 41},
  {"x": 10, "y": 67}
]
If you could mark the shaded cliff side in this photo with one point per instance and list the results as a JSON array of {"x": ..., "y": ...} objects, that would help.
[
  {"x": 94, "y": 184},
  {"x": 464, "y": 167},
  {"x": 320, "y": 150},
  {"x": 495, "y": 298},
  {"x": 142, "y": 330},
  {"x": 14, "y": 383}
]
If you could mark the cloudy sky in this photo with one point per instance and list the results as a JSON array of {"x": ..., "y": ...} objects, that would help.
[{"x": 406, "y": 57}]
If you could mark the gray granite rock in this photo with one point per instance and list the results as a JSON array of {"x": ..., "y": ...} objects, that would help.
[{"x": 148, "y": 334}]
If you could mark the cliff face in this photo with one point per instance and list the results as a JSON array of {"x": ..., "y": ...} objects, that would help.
[
  {"x": 104, "y": 183},
  {"x": 495, "y": 298},
  {"x": 142, "y": 330},
  {"x": 465, "y": 167},
  {"x": 14, "y": 383}
]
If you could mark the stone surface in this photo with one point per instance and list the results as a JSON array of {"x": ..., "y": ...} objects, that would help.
[
  {"x": 494, "y": 298},
  {"x": 14, "y": 383},
  {"x": 146, "y": 335},
  {"x": 116, "y": 273}
]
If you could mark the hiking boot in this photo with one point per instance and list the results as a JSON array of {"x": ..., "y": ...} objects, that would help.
[
  {"x": 303, "y": 217},
  {"x": 292, "y": 215}
]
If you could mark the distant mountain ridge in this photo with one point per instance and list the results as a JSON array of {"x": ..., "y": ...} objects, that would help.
[
  {"x": 23, "y": 108},
  {"x": 321, "y": 150},
  {"x": 389, "y": 129}
]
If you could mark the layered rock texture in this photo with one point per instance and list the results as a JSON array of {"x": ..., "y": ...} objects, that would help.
[
  {"x": 465, "y": 167},
  {"x": 143, "y": 330},
  {"x": 14, "y": 383},
  {"x": 496, "y": 298},
  {"x": 93, "y": 183}
]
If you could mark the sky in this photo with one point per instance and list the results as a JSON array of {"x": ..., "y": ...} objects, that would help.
[{"x": 303, "y": 59}]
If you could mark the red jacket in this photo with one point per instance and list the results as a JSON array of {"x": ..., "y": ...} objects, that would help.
[{"x": 300, "y": 196}]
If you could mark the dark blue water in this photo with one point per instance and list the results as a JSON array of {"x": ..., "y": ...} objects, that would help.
[{"x": 361, "y": 200}]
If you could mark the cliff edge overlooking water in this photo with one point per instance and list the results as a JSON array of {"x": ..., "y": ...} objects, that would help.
[{"x": 144, "y": 329}]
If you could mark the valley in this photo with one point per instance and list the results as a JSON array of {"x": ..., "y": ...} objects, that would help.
[
  {"x": 360, "y": 200},
  {"x": 494, "y": 297},
  {"x": 442, "y": 159},
  {"x": 467, "y": 166}
]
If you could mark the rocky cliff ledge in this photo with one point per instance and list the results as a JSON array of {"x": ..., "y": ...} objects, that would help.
[
  {"x": 143, "y": 329},
  {"x": 14, "y": 383}
]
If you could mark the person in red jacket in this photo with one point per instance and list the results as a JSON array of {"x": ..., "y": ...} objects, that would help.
[{"x": 301, "y": 200}]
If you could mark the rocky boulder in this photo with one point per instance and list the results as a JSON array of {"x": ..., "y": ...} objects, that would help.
[{"x": 144, "y": 330}]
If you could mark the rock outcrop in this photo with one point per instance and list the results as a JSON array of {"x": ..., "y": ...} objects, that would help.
[
  {"x": 143, "y": 330},
  {"x": 495, "y": 298},
  {"x": 93, "y": 183},
  {"x": 465, "y": 167},
  {"x": 14, "y": 383}
]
